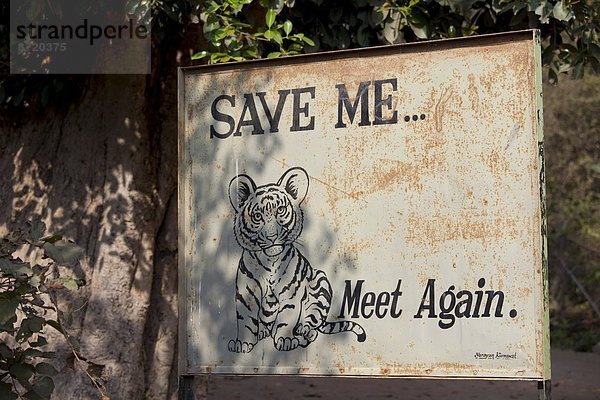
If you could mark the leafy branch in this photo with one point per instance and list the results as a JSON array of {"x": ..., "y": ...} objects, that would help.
[
  {"x": 234, "y": 31},
  {"x": 28, "y": 303}
]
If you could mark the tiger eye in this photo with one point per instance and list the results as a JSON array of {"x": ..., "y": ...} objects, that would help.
[
  {"x": 256, "y": 216},
  {"x": 281, "y": 210}
]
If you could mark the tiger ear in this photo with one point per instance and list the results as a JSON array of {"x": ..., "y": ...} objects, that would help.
[
  {"x": 240, "y": 188},
  {"x": 295, "y": 183}
]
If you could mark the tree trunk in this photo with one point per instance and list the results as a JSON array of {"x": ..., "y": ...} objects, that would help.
[{"x": 104, "y": 174}]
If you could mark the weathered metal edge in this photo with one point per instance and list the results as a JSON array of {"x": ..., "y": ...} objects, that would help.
[
  {"x": 543, "y": 217},
  {"x": 431, "y": 45},
  {"x": 372, "y": 376},
  {"x": 371, "y": 52},
  {"x": 181, "y": 278}
]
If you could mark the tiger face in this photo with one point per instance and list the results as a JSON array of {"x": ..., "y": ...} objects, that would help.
[{"x": 268, "y": 217}]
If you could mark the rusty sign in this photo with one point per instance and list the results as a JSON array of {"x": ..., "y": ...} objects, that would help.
[{"x": 376, "y": 212}]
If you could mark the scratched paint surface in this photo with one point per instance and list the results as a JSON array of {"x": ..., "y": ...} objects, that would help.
[{"x": 419, "y": 222}]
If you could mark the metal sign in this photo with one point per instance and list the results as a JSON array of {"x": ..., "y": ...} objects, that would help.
[{"x": 376, "y": 212}]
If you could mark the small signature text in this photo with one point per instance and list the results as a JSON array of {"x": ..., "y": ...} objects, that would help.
[{"x": 496, "y": 356}]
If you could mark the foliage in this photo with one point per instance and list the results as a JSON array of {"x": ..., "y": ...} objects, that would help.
[
  {"x": 573, "y": 182},
  {"x": 234, "y": 29},
  {"x": 28, "y": 305},
  {"x": 234, "y": 35}
]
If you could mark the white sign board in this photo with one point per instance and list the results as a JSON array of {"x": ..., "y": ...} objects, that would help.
[{"x": 375, "y": 212}]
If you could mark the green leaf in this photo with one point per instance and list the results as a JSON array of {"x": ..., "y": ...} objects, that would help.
[
  {"x": 63, "y": 252},
  {"x": 52, "y": 239},
  {"x": 308, "y": 41},
  {"x": 278, "y": 38},
  {"x": 36, "y": 228},
  {"x": 22, "y": 372},
  {"x": 46, "y": 369},
  {"x": 43, "y": 386},
  {"x": 69, "y": 282},
  {"x": 544, "y": 10},
  {"x": 32, "y": 395},
  {"x": 362, "y": 36},
  {"x": 390, "y": 32},
  {"x": 33, "y": 353},
  {"x": 287, "y": 27},
  {"x": 9, "y": 302},
  {"x": 250, "y": 53},
  {"x": 274, "y": 36},
  {"x": 41, "y": 341},
  {"x": 5, "y": 351},
  {"x": 421, "y": 31},
  {"x": 274, "y": 54},
  {"x": 548, "y": 55},
  {"x": 452, "y": 31},
  {"x": 6, "y": 392},
  {"x": 56, "y": 325},
  {"x": 210, "y": 26},
  {"x": 35, "y": 281},
  {"x": 47, "y": 354},
  {"x": 29, "y": 326},
  {"x": 219, "y": 35},
  {"x": 270, "y": 17},
  {"x": 200, "y": 55},
  {"x": 561, "y": 12},
  {"x": 15, "y": 269},
  {"x": 9, "y": 325},
  {"x": 578, "y": 70}
]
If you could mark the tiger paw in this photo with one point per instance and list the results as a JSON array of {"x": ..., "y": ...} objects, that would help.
[
  {"x": 306, "y": 331},
  {"x": 237, "y": 346},
  {"x": 263, "y": 334},
  {"x": 286, "y": 344}
]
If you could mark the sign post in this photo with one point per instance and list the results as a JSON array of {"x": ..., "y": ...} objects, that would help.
[{"x": 377, "y": 212}]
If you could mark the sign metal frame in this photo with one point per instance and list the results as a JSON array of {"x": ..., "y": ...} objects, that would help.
[{"x": 295, "y": 178}]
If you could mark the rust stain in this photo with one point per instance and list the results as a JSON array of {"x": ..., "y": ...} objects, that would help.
[
  {"x": 354, "y": 249},
  {"x": 329, "y": 186},
  {"x": 512, "y": 137},
  {"x": 388, "y": 174},
  {"x": 524, "y": 292},
  {"x": 473, "y": 94},
  {"x": 440, "y": 108},
  {"x": 440, "y": 228}
]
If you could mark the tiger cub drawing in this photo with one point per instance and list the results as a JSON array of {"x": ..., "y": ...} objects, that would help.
[{"x": 278, "y": 293}]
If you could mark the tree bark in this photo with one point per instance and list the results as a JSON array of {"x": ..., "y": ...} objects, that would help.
[{"x": 104, "y": 174}]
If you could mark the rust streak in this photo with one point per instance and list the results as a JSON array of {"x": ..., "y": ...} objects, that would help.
[
  {"x": 351, "y": 195},
  {"x": 440, "y": 107},
  {"x": 512, "y": 137}
]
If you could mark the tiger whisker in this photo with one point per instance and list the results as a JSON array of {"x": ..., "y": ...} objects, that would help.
[{"x": 300, "y": 242}]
